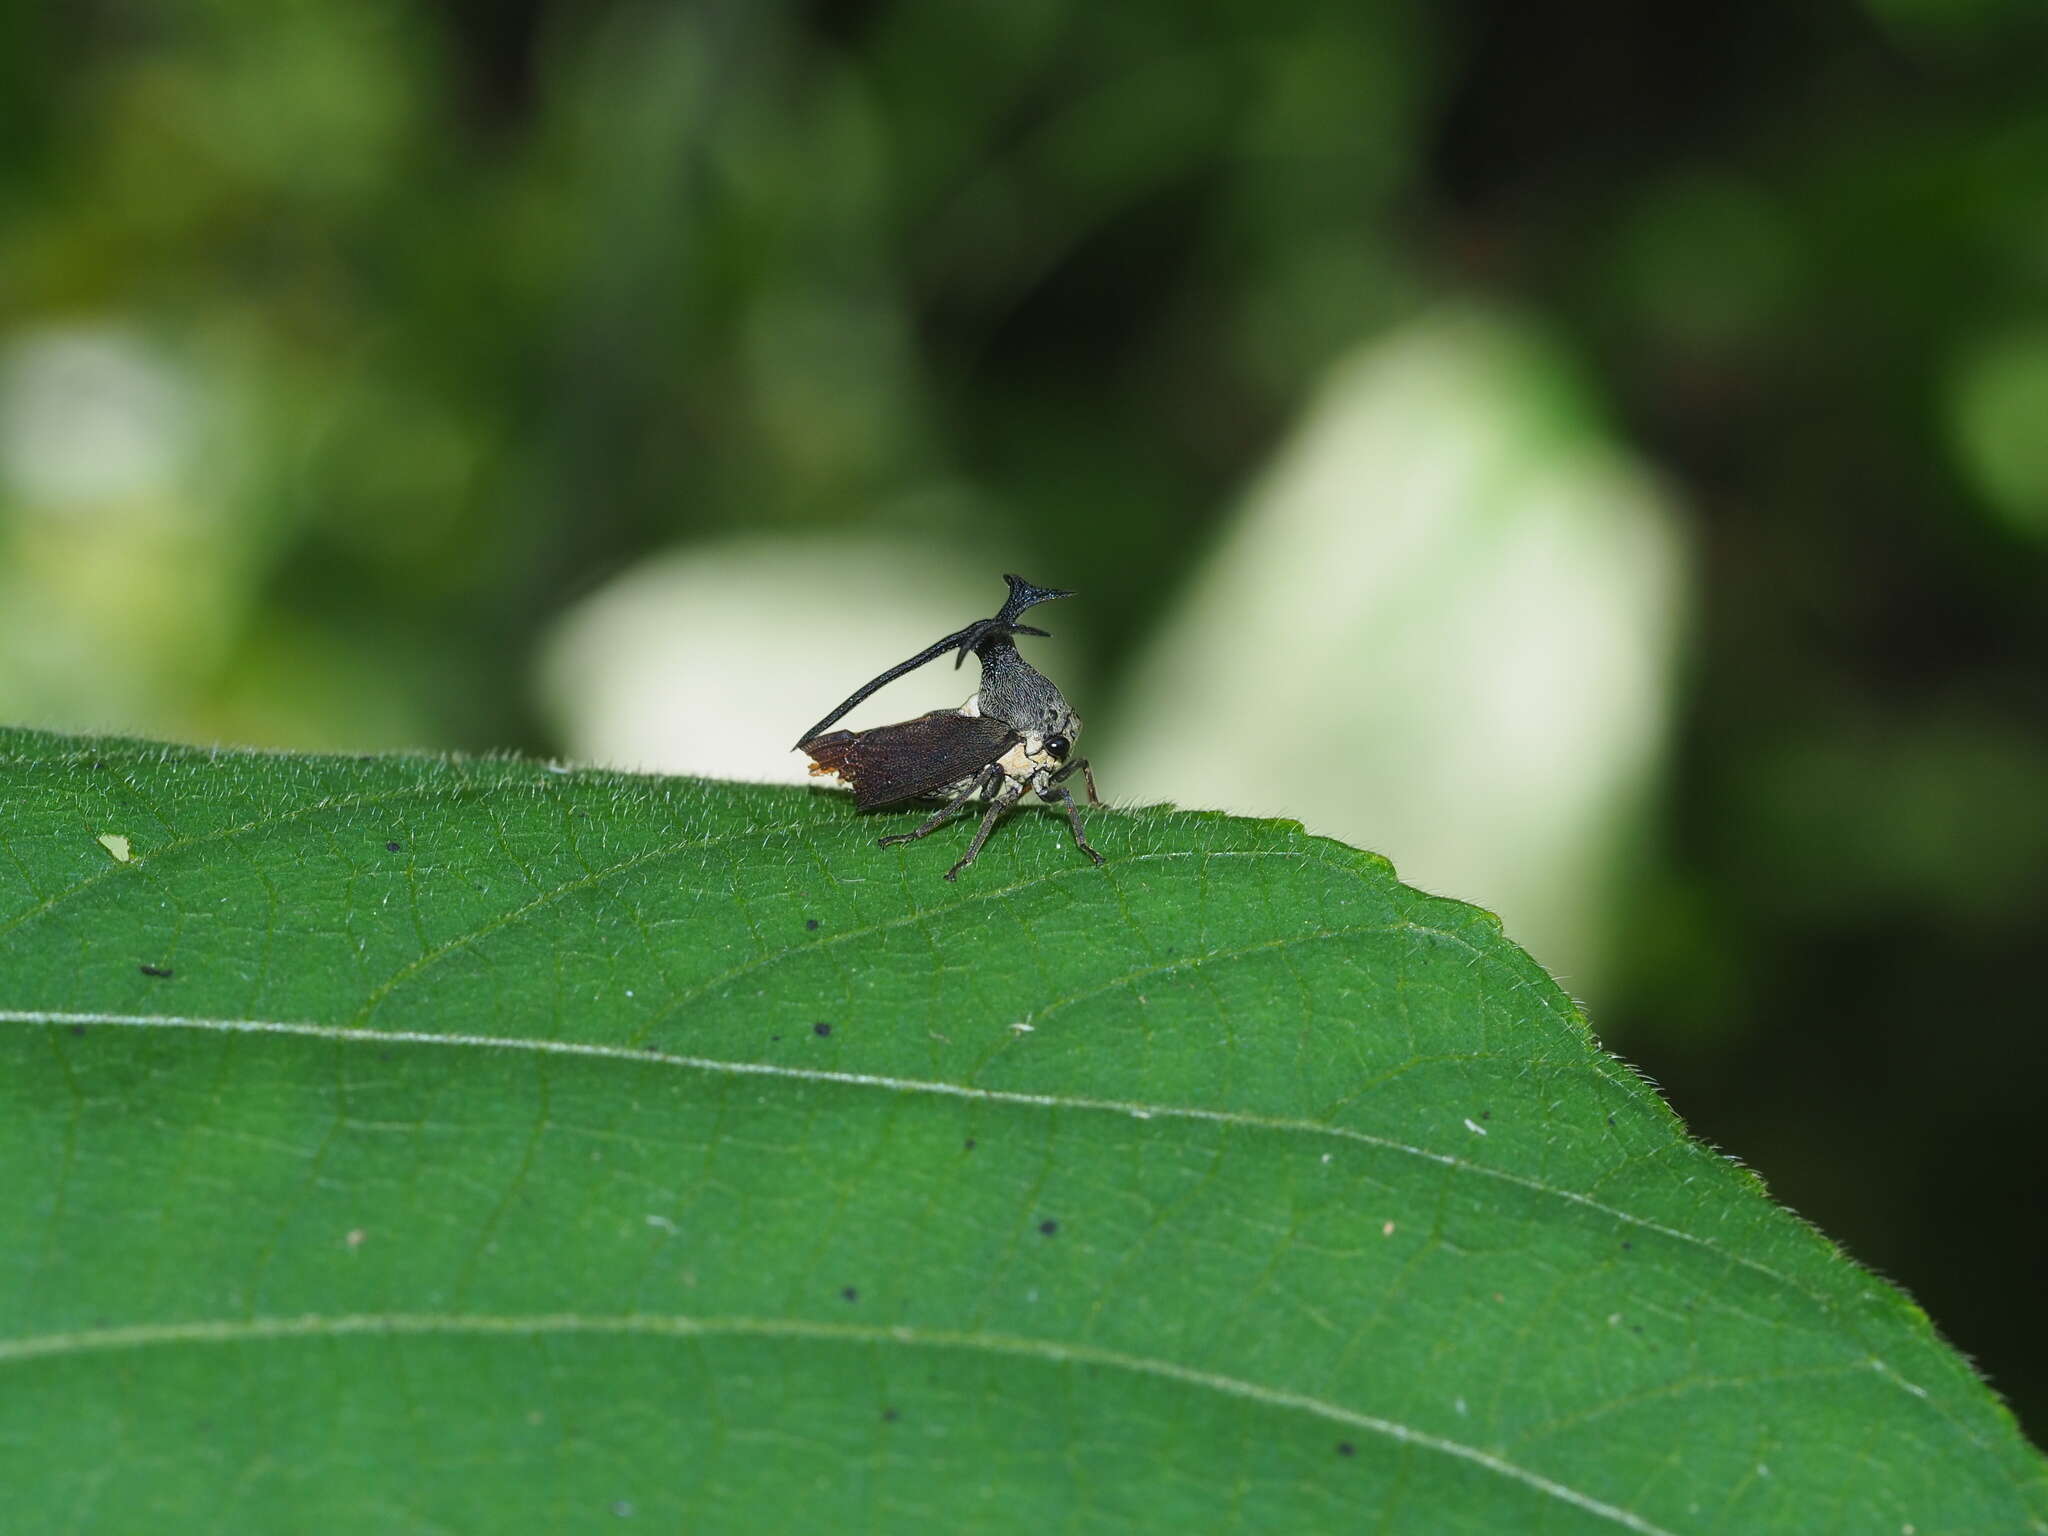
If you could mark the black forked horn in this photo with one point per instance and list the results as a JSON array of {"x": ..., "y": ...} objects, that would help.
[{"x": 1023, "y": 595}]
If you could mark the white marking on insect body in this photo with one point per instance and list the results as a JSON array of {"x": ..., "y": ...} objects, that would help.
[{"x": 1027, "y": 759}]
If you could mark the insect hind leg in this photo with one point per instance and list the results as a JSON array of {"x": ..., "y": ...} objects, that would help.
[
  {"x": 999, "y": 803},
  {"x": 938, "y": 818}
]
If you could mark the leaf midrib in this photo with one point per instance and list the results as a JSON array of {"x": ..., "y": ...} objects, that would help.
[
  {"x": 1133, "y": 1109},
  {"x": 679, "y": 1325},
  {"x": 1128, "y": 1108}
]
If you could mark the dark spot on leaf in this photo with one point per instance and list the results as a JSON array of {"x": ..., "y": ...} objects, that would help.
[
  {"x": 1048, "y": 1226},
  {"x": 890, "y": 1415},
  {"x": 1610, "y": 1119},
  {"x": 1346, "y": 1448},
  {"x": 970, "y": 1143},
  {"x": 391, "y": 847},
  {"x": 650, "y": 1046},
  {"x": 1635, "y": 1327},
  {"x": 1486, "y": 1114},
  {"x": 821, "y": 1029},
  {"x": 775, "y": 1037},
  {"x": 97, "y": 765},
  {"x": 850, "y": 1294},
  {"x": 78, "y": 1029},
  {"x": 811, "y": 923},
  {"x": 1627, "y": 1246},
  {"x": 163, "y": 972}
]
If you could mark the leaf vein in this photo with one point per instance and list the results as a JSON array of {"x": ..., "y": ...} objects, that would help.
[
  {"x": 1137, "y": 1109},
  {"x": 678, "y": 1326}
]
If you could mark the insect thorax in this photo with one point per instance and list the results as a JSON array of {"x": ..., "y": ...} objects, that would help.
[{"x": 1018, "y": 694}]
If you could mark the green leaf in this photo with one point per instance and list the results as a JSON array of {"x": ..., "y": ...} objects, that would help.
[{"x": 405, "y": 1144}]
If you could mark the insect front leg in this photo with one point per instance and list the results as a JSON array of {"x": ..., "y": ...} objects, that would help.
[
  {"x": 1080, "y": 765},
  {"x": 943, "y": 814},
  {"x": 999, "y": 803},
  {"x": 1060, "y": 796},
  {"x": 1088, "y": 779}
]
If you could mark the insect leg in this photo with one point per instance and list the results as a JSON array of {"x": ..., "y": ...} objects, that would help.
[
  {"x": 938, "y": 818},
  {"x": 1079, "y": 764},
  {"x": 1003, "y": 799},
  {"x": 1059, "y": 795},
  {"x": 1087, "y": 778}
]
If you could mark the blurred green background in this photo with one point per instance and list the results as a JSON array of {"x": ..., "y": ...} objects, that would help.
[{"x": 1601, "y": 460}]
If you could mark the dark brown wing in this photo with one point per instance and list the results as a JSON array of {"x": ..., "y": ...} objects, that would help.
[{"x": 901, "y": 762}]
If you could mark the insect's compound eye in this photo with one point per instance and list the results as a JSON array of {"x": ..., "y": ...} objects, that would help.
[{"x": 1058, "y": 746}]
